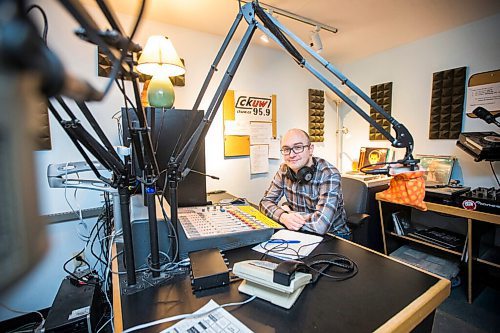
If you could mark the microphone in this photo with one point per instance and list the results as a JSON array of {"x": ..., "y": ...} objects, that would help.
[
  {"x": 188, "y": 170},
  {"x": 23, "y": 49},
  {"x": 112, "y": 38},
  {"x": 384, "y": 171},
  {"x": 79, "y": 90},
  {"x": 485, "y": 115}
]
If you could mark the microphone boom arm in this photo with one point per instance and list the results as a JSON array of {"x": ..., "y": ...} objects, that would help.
[
  {"x": 403, "y": 137},
  {"x": 276, "y": 31}
]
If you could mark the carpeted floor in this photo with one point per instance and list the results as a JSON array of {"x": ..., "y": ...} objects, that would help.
[{"x": 457, "y": 316}]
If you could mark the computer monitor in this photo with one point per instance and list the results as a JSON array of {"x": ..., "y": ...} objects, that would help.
[
  {"x": 438, "y": 169},
  {"x": 167, "y": 127}
]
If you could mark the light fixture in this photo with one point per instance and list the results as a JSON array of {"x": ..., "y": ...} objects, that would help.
[
  {"x": 160, "y": 60},
  {"x": 295, "y": 17},
  {"x": 315, "y": 40}
]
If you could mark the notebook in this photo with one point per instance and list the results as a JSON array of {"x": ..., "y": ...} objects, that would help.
[{"x": 438, "y": 169}]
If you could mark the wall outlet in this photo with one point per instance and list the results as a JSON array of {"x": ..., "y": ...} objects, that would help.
[{"x": 77, "y": 260}]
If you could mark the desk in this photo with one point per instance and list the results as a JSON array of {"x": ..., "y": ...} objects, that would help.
[
  {"x": 452, "y": 211},
  {"x": 385, "y": 295}
]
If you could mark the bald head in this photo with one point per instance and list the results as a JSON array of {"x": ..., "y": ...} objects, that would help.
[
  {"x": 297, "y": 133},
  {"x": 297, "y": 149}
]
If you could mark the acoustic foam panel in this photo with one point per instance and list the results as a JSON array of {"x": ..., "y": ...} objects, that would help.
[
  {"x": 382, "y": 95},
  {"x": 43, "y": 141},
  {"x": 447, "y": 103},
  {"x": 316, "y": 115}
]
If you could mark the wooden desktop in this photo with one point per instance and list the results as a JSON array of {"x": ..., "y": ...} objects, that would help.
[{"x": 386, "y": 296}]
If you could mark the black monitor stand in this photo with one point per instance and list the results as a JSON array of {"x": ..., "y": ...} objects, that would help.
[{"x": 167, "y": 126}]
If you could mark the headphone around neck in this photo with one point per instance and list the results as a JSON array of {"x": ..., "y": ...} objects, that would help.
[{"x": 303, "y": 176}]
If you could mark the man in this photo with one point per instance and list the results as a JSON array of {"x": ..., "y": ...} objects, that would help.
[{"x": 311, "y": 187}]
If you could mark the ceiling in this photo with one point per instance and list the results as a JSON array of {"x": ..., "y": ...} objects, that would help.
[{"x": 365, "y": 27}]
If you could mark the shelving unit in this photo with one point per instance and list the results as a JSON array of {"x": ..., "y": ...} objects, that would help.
[{"x": 489, "y": 257}]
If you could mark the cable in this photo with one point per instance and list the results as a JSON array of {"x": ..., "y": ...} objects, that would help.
[
  {"x": 494, "y": 173},
  {"x": 38, "y": 328},
  {"x": 185, "y": 316},
  {"x": 106, "y": 284},
  {"x": 281, "y": 248},
  {"x": 79, "y": 214},
  {"x": 96, "y": 228},
  {"x": 347, "y": 266},
  {"x": 45, "y": 23},
  {"x": 104, "y": 325}
]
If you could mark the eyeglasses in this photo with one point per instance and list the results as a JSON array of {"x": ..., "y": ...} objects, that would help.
[{"x": 296, "y": 149}]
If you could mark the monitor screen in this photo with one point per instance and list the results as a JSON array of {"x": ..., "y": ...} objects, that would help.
[
  {"x": 437, "y": 168},
  {"x": 373, "y": 155}
]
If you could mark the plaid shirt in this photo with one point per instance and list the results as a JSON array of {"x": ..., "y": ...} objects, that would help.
[{"x": 319, "y": 201}]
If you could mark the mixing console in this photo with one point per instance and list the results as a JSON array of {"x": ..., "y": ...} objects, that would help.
[{"x": 224, "y": 227}]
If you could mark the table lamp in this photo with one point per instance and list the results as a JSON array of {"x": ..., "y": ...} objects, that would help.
[{"x": 160, "y": 60}]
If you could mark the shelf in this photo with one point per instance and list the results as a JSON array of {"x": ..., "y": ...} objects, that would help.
[
  {"x": 491, "y": 257},
  {"x": 415, "y": 240}
]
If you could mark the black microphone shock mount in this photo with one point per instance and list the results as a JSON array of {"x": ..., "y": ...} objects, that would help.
[{"x": 486, "y": 115}]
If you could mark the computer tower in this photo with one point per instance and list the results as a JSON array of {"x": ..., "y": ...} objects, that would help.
[
  {"x": 76, "y": 309},
  {"x": 170, "y": 128}
]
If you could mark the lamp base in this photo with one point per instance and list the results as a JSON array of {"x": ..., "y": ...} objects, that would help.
[{"x": 161, "y": 91}]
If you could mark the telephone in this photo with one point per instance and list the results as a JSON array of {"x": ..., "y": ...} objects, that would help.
[{"x": 280, "y": 284}]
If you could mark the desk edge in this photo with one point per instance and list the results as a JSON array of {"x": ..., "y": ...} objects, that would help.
[
  {"x": 413, "y": 314},
  {"x": 117, "y": 308}
]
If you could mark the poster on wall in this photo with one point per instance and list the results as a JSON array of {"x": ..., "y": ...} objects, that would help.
[
  {"x": 252, "y": 107},
  {"x": 483, "y": 90},
  {"x": 249, "y": 119},
  {"x": 485, "y": 95}
]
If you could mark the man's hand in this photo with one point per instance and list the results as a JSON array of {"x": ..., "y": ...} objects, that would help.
[{"x": 292, "y": 221}]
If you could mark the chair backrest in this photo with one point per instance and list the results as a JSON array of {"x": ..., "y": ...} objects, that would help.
[{"x": 355, "y": 194}]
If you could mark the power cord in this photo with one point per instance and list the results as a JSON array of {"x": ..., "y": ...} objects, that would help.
[
  {"x": 343, "y": 267},
  {"x": 36, "y": 329}
]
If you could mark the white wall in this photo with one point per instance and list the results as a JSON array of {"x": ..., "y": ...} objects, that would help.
[{"x": 410, "y": 68}]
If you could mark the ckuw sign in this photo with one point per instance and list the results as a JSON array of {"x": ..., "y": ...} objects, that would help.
[{"x": 252, "y": 107}]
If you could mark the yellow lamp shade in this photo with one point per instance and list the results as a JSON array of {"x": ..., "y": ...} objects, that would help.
[{"x": 159, "y": 53}]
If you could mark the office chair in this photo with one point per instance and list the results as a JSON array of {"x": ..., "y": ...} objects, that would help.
[{"x": 355, "y": 194}]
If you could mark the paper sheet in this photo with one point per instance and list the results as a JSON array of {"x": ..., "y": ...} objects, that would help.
[
  {"x": 260, "y": 133},
  {"x": 274, "y": 149},
  {"x": 233, "y": 127},
  {"x": 485, "y": 95},
  {"x": 259, "y": 161},
  {"x": 216, "y": 321},
  {"x": 303, "y": 245}
]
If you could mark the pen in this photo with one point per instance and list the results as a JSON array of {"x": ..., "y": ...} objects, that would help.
[{"x": 282, "y": 241}]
